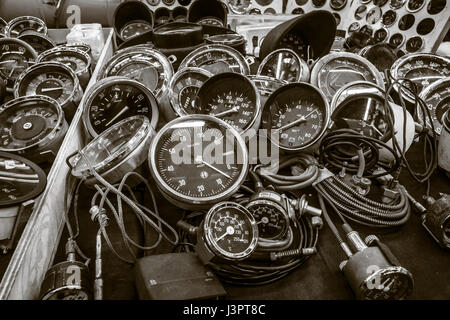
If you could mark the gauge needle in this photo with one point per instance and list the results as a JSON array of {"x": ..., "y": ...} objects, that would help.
[
  {"x": 222, "y": 114},
  {"x": 299, "y": 120},
  {"x": 215, "y": 169},
  {"x": 7, "y": 61},
  {"x": 230, "y": 231},
  {"x": 51, "y": 89},
  {"x": 118, "y": 115}
]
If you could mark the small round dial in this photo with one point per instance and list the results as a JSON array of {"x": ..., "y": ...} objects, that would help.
[
  {"x": 396, "y": 4},
  {"x": 284, "y": 64},
  {"x": 15, "y": 56},
  {"x": 115, "y": 98},
  {"x": 335, "y": 70},
  {"x": 184, "y": 87},
  {"x": 134, "y": 28},
  {"x": 230, "y": 231},
  {"x": 296, "y": 116},
  {"x": 210, "y": 21},
  {"x": 380, "y": 3},
  {"x": 25, "y": 25},
  {"x": 197, "y": 161},
  {"x": 216, "y": 59},
  {"x": 389, "y": 17},
  {"x": 415, "y": 5},
  {"x": 394, "y": 283},
  {"x": 231, "y": 97},
  {"x": 39, "y": 42},
  {"x": 271, "y": 219}
]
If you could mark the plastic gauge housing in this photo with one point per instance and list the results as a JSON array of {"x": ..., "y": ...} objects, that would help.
[{"x": 120, "y": 149}]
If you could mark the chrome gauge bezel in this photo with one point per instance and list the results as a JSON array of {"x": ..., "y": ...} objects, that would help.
[
  {"x": 3, "y": 25},
  {"x": 38, "y": 37},
  {"x": 242, "y": 64},
  {"x": 19, "y": 20},
  {"x": 303, "y": 73},
  {"x": 280, "y": 212},
  {"x": 266, "y": 86},
  {"x": 110, "y": 82},
  {"x": 212, "y": 243},
  {"x": 355, "y": 58},
  {"x": 380, "y": 275}
]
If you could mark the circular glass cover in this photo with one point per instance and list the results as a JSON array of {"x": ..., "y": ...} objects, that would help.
[{"x": 284, "y": 64}]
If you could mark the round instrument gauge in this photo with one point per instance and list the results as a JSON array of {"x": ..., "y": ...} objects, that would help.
[
  {"x": 145, "y": 65},
  {"x": 373, "y": 15},
  {"x": 210, "y": 21},
  {"x": 119, "y": 149},
  {"x": 266, "y": 86},
  {"x": 296, "y": 116},
  {"x": 389, "y": 18},
  {"x": 415, "y": 5},
  {"x": 20, "y": 180},
  {"x": 32, "y": 126},
  {"x": 422, "y": 69},
  {"x": 25, "y": 25},
  {"x": 197, "y": 161},
  {"x": 15, "y": 56},
  {"x": 216, "y": 58},
  {"x": 284, "y": 64},
  {"x": 396, "y": 4},
  {"x": 414, "y": 44},
  {"x": 395, "y": 283},
  {"x": 184, "y": 87},
  {"x": 52, "y": 79},
  {"x": 437, "y": 98},
  {"x": 271, "y": 218},
  {"x": 79, "y": 61},
  {"x": 239, "y": 6},
  {"x": 381, "y": 35},
  {"x": 318, "y": 3},
  {"x": 396, "y": 40},
  {"x": 39, "y": 42},
  {"x": 295, "y": 42},
  {"x": 354, "y": 27},
  {"x": 380, "y": 3},
  {"x": 231, "y": 97},
  {"x": 338, "y": 4},
  {"x": 230, "y": 231},
  {"x": 3, "y": 25},
  {"x": 134, "y": 28},
  {"x": 335, "y": 70},
  {"x": 113, "y": 99}
]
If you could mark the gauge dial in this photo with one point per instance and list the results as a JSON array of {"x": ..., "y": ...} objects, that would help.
[
  {"x": 395, "y": 283},
  {"x": 284, "y": 64},
  {"x": 39, "y": 42},
  {"x": 25, "y": 25},
  {"x": 184, "y": 87},
  {"x": 338, "y": 4},
  {"x": 380, "y": 35},
  {"x": 216, "y": 59},
  {"x": 113, "y": 99},
  {"x": 30, "y": 125},
  {"x": 335, "y": 70},
  {"x": 414, "y": 44},
  {"x": 271, "y": 219},
  {"x": 15, "y": 56},
  {"x": 319, "y": 3},
  {"x": 415, "y": 5},
  {"x": 296, "y": 115},
  {"x": 380, "y": 3},
  {"x": 421, "y": 68},
  {"x": 295, "y": 42},
  {"x": 230, "y": 231},
  {"x": 266, "y": 86},
  {"x": 239, "y": 6},
  {"x": 231, "y": 97},
  {"x": 437, "y": 98},
  {"x": 198, "y": 160},
  {"x": 211, "y": 21},
  {"x": 396, "y": 4},
  {"x": 389, "y": 17},
  {"x": 134, "y": 28},
  {"x": 373, "y": 15},
  {"x": 3, "y": 25}
]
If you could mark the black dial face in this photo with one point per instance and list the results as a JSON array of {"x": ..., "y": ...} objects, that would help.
[
  {"x": 296, "y": 115},
  {"x": 184, "y": 88},
  {"x": 50, "y": 81},
  {"x": 26, "y": 25},
  {"x": 391, "y": 283},
  {"x": 415, "y": 5},
  {"x": 231, "y": 231},
  {"x": 396, "y": 4},
  {"x": 230, "y": 97},
  {"x": 39, "y": 42},
  {"x": 272, "y": 223},
  {"x": 282, "y": 65},
  {"x": 26, "y": 125},
  {"x": 295, "y": 42},
  {"x": 380, "y": 35},
  {"x": 15, "y": 57},
  {"x": 338, "y": 4},
  {"x": 437, "y": 99},
  {"x": 380, "y": 3},
  {"x": 217, "y": 61},
  {"x": 115, "y": 102},
  {"x": 135, "y": 28},
  {"x": 198, "y": 160},
  {"x": 389, "y": 18},
  {"x": 396, "y": 40},
  {"x": 318, "y": 3},
  {"x": 339, "y": 71},
  {"x": 414, "y": 44},
  {"x": 71, "y": 59}
]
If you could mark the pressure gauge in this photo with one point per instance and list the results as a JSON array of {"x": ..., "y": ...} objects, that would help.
[
  {"x": 239, "y": 6},
  {"x": 119, "y": 149},
  {"x": 15, "y": 56},
  {"x": 3, "y": 25},
  {"x": 52, "y": 79},
  {"x": 134, "y": 28},
  {"x": 78, "y": 60},
  {"x": 437, "y": 99},
  {"x": 33, "y": 127},
  {"x": 39, "y": 42},
  {"x": 148, "y": 66},
  {"x": 184, "y": 87},
  {"x": 115, "y": 98},
  {"x": 296, "y": 116},
  {"x": 216, "y": 58},
  {"x": 284, "y": 64},
  {"x": 266, "y": 86},
  {"x": 335, "y": 70},
  {"x": 229, "y": 231},
  {"x": 422, "y": 69},
  {"x": 25, "y": 25},
  {"x": 197, "y": 161},
  {"x": 231, "y": 97}
]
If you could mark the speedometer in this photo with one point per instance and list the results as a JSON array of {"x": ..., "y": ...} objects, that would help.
[
  {"x": 39, "y": 42},
  {"x": 25, "y": 25}
]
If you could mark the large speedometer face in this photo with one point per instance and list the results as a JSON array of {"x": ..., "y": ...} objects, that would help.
[
  {"x": 198, "y": 160},
  {"x": 295, "y": 116},
  {"x": 231, "y": 97}
]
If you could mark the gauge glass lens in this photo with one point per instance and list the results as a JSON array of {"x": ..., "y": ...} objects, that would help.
[
  {"x": 134, "y": 29},
  {"x": 272, "y": 222},
  {"x": 15, "y": 57},
  {"x": 373, "y": 15},
  {"x": 39, "y": 42},
  {"x": 296, "y": 113},
  {"x": 282, "y": 65},
  {"x": 26, "y": 25},
  {"x": 149, "y": 72},
  {"x": 295, "y": 42},
  {"x": 395, "y": 283}
]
